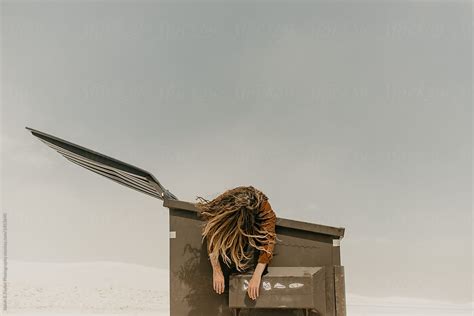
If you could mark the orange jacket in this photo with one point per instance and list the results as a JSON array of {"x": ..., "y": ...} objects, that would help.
[{"x": 268, "y": 222}]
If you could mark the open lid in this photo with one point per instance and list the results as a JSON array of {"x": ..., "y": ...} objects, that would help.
[{"x": 116, "y": 170}]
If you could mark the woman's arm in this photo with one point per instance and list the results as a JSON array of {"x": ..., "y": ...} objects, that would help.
[
  {"x": 254, "y": 284},
  {"x": 268, "y": 223},
  {"x": 268, "y": 218},
  {"x": 218, "y": 281},
  {"x": 215, "y": 262}
]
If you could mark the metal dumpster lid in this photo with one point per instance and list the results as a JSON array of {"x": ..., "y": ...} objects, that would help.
[{"x": 116, "y": 170}]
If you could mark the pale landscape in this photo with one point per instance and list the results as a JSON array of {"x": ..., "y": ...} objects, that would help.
[{"x": 111, "y": 288}]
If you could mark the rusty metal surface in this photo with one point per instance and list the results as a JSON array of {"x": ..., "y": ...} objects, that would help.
[
  {"x": 340, "y": 290},
  {"x": 282, "y": 287},
  {"x": 191, "y": 291}
]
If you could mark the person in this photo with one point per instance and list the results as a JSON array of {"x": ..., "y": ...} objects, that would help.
[{"x": 239, "y": 229}]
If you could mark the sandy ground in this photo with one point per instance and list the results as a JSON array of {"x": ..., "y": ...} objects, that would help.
[
  {"x": 402, "y": 306},
  {"x": 72, "y": 313},
  {"x": 118, "y": 289},
  {"x": 105, "y": 288}
]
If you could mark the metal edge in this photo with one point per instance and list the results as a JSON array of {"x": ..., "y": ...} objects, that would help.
[
  {"x": 84, "y": 148},
  {"x": 340, "y": 291},
  {"x": 282, "y": 222}
]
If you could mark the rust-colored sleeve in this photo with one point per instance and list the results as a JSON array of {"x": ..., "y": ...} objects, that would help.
[{"x": 268, "y": 218}]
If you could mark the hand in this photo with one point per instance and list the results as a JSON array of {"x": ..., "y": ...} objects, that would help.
[
  {"x": 218, "y": 281},
  {"x": 254, "y": 287}
]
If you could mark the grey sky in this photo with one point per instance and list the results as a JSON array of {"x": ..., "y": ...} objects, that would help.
[{"x": 345, "y": 114}]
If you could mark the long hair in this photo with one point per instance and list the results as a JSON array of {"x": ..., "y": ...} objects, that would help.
[{"x": 232, "y": 223}]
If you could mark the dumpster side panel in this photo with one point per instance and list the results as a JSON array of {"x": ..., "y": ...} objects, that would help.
[{"x": 340, "y": 291}]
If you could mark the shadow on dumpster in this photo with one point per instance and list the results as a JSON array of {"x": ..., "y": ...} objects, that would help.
[{"x": 195, "y": 272}]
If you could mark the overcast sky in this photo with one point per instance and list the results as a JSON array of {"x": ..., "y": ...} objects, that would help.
[{"x": 344, "y": 114}]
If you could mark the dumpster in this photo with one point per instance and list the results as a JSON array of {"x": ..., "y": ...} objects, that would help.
[
  {"x": 302, "y": 245},
  {"x": 305, "y": 276}
]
